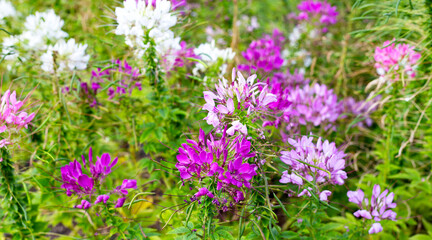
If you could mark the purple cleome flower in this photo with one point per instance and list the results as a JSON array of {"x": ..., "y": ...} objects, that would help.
[
  {"x": 307, "y": 160},
  {"x": 84, "y": 205},
  {"x": 127, "y": 184},
  {"x": 102, "y": 198},
  {"x": 129, "y": 81},
  {"x": 320, "y": 13},
  {"x": 316, "y": 105},
  {"x": 125, "y": 77},
  {"x": 223, "y": 160},
  {"x": 183, "y": 54},
  {"x": 377, "y": 209},
  {"x": 76, "y": 182},
  {"x": 204, "y": 192},
  {"x": 264, "y": 54},
  {"x": 281, "y": 85}
]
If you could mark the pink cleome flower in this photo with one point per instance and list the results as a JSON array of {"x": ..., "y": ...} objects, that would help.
[
  {"x": 396, "y": 60},
  {"x": 12, "y": 117},
  {"x": 241, "y": 96}
]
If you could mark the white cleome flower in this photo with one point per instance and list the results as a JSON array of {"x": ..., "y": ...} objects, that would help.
[
  {"x": 137, "y": 18},
  {"x": 6, "y": 10},
  {"x": 41, "y": 29},
  {"x": 68, "y": 55},
  {"x": 210, "y": 54}
]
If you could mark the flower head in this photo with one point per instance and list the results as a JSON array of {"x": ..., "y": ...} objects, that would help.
[
  {"x": 12, "y": 116},
  {"x": 183, "y": 54},
  {"x": 139, "y": 18},
  {"x": 6, "y": 10},
  {"x": 394, "y": 60},
  {"x": 314, "y": 105},
  {"x": 361, "y": 109},
  {"x": 264, "y": 54},
  {"x": 69, "y": 55},
  {"x": 320, "y": 163},
  {"x": 223, "y": 160},
  {"x": 40, "y": 30},
  {"x": 84, "y": 205},
  {"x": 378, "y": 208},
  {"x": 320, "y": 13},
  {"x": 83, "y": 178},
  {"x": 282, "y": 85},
  {"x": 242, "y": 95},
  {"x": 102, "y": 198}
]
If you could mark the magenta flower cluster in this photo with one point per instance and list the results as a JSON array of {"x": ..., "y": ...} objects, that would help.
[
  {"x": 127, "y": 83},
  {"x": 223, "y": 160},
  {"x": 264, "y": 54},
  {"x": 120, "y": 77},
  {"x": 320, "y": 13},
  {"x": 241, "y": 96},
  {"x": 183, "y": 55},
  {"x": 83, "y": 179},
  {"x": 377, "y": 209},
  {"x": 321, "y": 164},
  {"x": 12, "y": 117},
  {"x": 395, "y": 60}
]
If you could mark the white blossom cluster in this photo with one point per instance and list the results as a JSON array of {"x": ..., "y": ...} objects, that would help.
[
  {"x": 137, "y": 18},
  {"x": 43, "y": 32},
  {"x": 69, "y": 55},
  {"x": 42, "y": 28},
  {"x": 210, "y": 54},
  {"x": 6, "y": 10}
]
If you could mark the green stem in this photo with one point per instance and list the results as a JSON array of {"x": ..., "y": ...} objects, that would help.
[{"x": 12, "y": 203}]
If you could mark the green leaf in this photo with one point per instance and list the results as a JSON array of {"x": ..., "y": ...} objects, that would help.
[
  {"x": 428, "y": 226},
  {"x": 179, "y": 230},
  {"x": 420, "y": 237},
  {"x": 289, "y": 235},
  {"x": 225, "y": 234}
]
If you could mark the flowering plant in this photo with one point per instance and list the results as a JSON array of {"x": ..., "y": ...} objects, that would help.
[
  {"x": 221, "y": 163},
  {"x": 87, "y": 186},
  {"x": 12, "y": 117},
  {"x": 240, "y": 104},
  {"x": 318, "y": 164},
  {"x": 395, "y": 61},
  {"x": 377, "y": 209}
]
